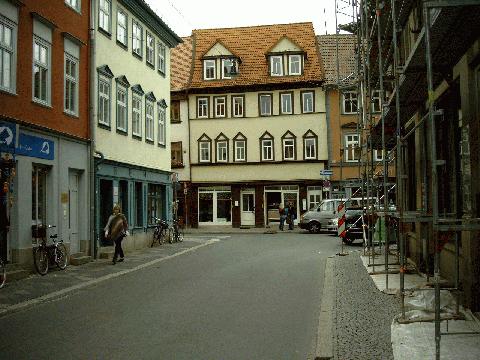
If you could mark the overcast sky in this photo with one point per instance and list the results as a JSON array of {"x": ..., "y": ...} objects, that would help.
[{"x": 185, "y": 15}]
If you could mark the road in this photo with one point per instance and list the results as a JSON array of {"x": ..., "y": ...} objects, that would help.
[{"x": 253, "y": 296}]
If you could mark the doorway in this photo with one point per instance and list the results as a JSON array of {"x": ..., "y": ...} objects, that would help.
[
  {"x": 105, "y": 207},
  {"x": 247, "y": 207},
  {"x": 279, "y": 194},
  {"x": 73, "y": 211}
]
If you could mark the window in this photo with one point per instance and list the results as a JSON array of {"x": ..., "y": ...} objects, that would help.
[
  {"x": 104, "y": 101},
  {"x": 150, "y": 49},
  {"x": 314, "y": 194},
  {"x": 265, "y": 104},
  {"x": 74, "y": 4},
  {"x": 175, "y": 111},
  {"x": 41, "y": 71},
  {"x": 307, "y": 102},
  {"x": 267, "y": 149},
  {"x": 276, "y": 65},
  {"x": 161, "y": 58},
  {"x": 154, "y": 203},
  {"x": 209, "y": 69},
  {"x": 137, "y": 38},
  {"x": 227, "y": 65},
  {"x": 220, "y": 105},
  {"x": 136, "y": 115},
  {"x": 286, "y": 103},
  {"x": 104, "y": 14},
  {"x": 7, "y": 55},
  {"x": 376, "y": 101},
  {"x": 240, "y": 150},
  {"x": 138, "y": 204},
  {"x": 288, "y": 149},
  {"x": 350, "y": 102},
  {"x": 122, "y": 101},
  {"x": 39, "y": 195},
  {"x": 222, "y": 151},
  {"x": 122, "y": 28},
  {"x": 71, "y": 84},
  {"x": 310, "y": 144},
  {"x": 237, "y": 106},
  {"x": 295, "y": 65},
  {"x": 162, "y": 130},
  {"x": 204, "y": 151},
  {"x": 202, "y": 107},
  {"x": 149, "y": 115},
  {"x": 351, "y": 147},
  {"x": 177, "y": 154}
]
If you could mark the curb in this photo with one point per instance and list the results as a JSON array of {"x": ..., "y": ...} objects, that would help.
[{"x": 324, "y": 348}]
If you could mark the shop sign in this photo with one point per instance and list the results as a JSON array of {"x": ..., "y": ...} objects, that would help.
[
  {"x": 35, "y": 146},
  {"x": 7, "y": 136}
]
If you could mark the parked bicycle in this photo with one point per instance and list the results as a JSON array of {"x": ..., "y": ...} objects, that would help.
[
  {"x": 175, "y": 232},
  {"x": 161, "y": 232},
  {"x": 44, "y": 254},
  {"x": 3, "y": 273}
]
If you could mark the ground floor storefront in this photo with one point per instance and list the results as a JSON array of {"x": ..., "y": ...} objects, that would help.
[
  {"x": 46, "y": 184},
  {"x": 144, "y": 195},
  {"x": 245, "y": 204}
]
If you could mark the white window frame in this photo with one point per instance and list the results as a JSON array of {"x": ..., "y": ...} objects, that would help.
[
  {"x": 378, "y": 155},
  {"x": 207, "y": 64},
  {"x": 242, "y": 149},
  {"x": 74, "y": 4},
  {"x": 351, "y": 98},
  {"x": 202, "y": 109},
  {"x": 267, "y": 149},
  {"x": 288, "y": 144},
  {"x": 236, "y": 106},
  {"x": 162, "y": 125},
  {"x": 222, "y": 151},
  {"x": 124, "y": 105},
  {"x": 122, "y": 28},
  {"x": 150, "y": 49},
  {"x": 351, "y": 142},
  {"x": 136, "y": 115},
  {"x": 71, "y": 79},
  {"x": 10, "y": 49},
  {"x": 376, "y": 101},
  {"x": 105, "y": 14},
  {"x": 269, "y": 96},
  {"x": 137, "y": 38},
  {"x": 305, "y": 108},
  {"x": 224, "y": 76},
  {"x": 290, "y": 62},
  {"x": 149, "y": 120},
  {"x": 161, "y": 58},
  {"x": 220, "y": 109},
  {"x": 204, "y": 146},
  {"x": 284, "y": 106},
  {"x": 46, "y": 66},
  {"x": 104, "y": 100},
  {"x": 276, "y": 68},
  {"x": 309, "y": 143}
]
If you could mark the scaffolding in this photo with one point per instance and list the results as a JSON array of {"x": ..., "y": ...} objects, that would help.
[{"x": 412, "y": 83}]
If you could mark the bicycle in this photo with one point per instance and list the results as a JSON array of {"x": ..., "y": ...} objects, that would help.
[
  {"x": 3, "y": 273},
  {"x": 44, "y": 254},
  {"x": 160, "y": 232},
  {"x": 175, "y": 232}
]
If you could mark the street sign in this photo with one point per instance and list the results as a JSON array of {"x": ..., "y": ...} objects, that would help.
[
  {"x": 35, "y": 146},
  {"x": 325, "y": 172}
]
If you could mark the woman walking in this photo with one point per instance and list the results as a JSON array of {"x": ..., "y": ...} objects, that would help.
[{"x": 116, "y": 229}]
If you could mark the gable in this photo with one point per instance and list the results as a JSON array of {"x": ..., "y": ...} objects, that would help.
[
  {"x": 285, "y": 45},
  {"x": 218, "y": 50}
]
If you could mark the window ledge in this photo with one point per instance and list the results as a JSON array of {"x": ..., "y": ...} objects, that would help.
[
  {"x": 150, "y": 65},
  {"x": 104, "y": 126},
  {"x": 162, "y": 73},
  {"x": 139, "y": 57},
  {"x": 162, "y": 145},
  {"x": 73, "y": 9},
  {"x": 178, "y": 166},
  {"x": 122, "y": 132},
  {"x": 148, "y": 141},
  {"x": 37, "y": 102},
  {"x": 137, "y": 137},
  {"x": 72, "y": 115},
  {"x": 105, "y": 32},
  {"x": 8, "y": 92},
  {"x": 122, "y": 45},
  {"x": 175, "y": 121}
]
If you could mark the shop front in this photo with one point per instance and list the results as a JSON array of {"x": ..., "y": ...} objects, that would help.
[
  {"x": 215, "y": 205},
  {"x": 276, "y": 195}
]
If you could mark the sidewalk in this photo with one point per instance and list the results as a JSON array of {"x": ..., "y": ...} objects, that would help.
[
  {"x": 228, "y": 229},
  {"x": 36, "y": 289}
]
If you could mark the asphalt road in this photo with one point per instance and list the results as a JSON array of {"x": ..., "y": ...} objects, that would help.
[{"x": 243, "y": 297}]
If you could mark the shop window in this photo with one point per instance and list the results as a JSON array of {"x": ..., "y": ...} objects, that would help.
[
  {"x": 39, "y": 195},
  {"x": 138, "y": 204},
  {"x": 154, "y": 203},
  {"x": 205, "y": 207}
]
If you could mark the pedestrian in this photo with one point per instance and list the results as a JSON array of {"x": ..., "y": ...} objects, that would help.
[
  {"x": 281, "y": 212},
  {"x": 116, "y": 229},
  {"x": 291, "y": 216}
]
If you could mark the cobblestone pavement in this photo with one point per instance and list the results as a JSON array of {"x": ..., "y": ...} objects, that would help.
[{"x": 362, "y": 314}]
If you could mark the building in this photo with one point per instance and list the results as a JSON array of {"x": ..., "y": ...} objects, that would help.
[
  {"x": 257, "y": 128},
  {"x": 131, "y": 85},
  {"x": 44, "y": 122}
]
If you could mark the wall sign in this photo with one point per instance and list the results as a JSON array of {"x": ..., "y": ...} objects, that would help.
[
  {"x": 7, "y": 136},
  {"x": 35, "y": 146}
]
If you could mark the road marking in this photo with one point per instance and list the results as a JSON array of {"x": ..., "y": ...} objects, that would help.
[{"x": 61, "y": 293}]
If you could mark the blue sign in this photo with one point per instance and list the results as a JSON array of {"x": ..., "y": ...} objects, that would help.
[
  {"x": 326, "y": 172},
  {"x": 7, "y": 136},
  {"x": 35, "y": 146}
]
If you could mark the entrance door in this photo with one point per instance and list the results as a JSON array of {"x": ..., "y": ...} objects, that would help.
[
  {"x": 248, "y": 208},
  {"x": 105, "y": 208},
  {"x": 73, "y": 211}
]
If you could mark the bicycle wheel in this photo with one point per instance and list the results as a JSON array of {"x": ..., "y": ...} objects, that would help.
[
  {"x": 40, "y": 257},
  {"x": 155, "y": 237},
  {"x": 162, "y": 237},
  {"x": 171, "y": 236},
  {"x": 180, "y": 235},
  {"x": 3, "y": 273},
  {"x": 62, "y": 256}
]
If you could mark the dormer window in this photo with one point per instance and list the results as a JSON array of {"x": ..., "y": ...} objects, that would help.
[
  {"x": 227, "y": 66},
  {"x": 209, "y": 69},
  {"x": 276, "y": 65},
  {"x": 295, "y": 65}
]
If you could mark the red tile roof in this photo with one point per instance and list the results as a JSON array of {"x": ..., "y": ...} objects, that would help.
[
  {"x": 346, "y": 52},
  {"x": 181, "y": 64}
]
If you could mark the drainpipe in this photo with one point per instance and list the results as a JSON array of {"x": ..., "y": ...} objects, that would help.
[{"x": 92, "y": 116}]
